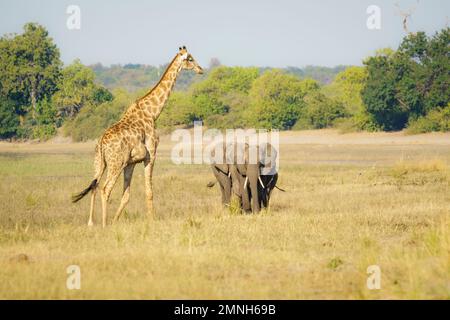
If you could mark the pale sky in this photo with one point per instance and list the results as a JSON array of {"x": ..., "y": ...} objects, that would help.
[{"x": 274, "y": 33}]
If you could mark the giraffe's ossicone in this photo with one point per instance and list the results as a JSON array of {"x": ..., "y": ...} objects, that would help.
[{"x": 132, "y": 140}]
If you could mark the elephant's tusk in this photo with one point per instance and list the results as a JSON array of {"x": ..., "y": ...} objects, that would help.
[
  {"x": 229, "y": 174},
  {"x": 245, "y": 182},
  {"x": 260, "y": 181}
]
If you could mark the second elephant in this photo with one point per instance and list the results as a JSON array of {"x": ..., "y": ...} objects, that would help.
[{"x": 254, "y": 175}]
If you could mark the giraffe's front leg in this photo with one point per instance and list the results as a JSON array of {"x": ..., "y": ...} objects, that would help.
[{"x": 151, "y": 144}]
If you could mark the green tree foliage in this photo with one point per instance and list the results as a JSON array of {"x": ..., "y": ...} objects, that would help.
[
  {"x": 409, "y": 83},
  {"x": 347, "y": 87},
  {"x": 214, "y": 95},
  {"x": 76, "y": 89},
  {"x": 30, "y": 67},
  {"x": 93, "y": 119},
  {"x": 379, "y": 94},
  {"x": 9, "y": 120},
  {"x": 179, "y": 111},
  {"x": 135, "y": 77},
  {"x": 277, "y": 99},
  {"x": 320, "y": 112},
  {"x": 436, "y": 120}
]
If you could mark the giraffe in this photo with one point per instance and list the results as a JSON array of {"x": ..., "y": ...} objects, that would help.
[{"x": 132, "y": 140}]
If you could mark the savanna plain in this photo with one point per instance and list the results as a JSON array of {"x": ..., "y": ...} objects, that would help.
[{"x": 351, "y": 201}]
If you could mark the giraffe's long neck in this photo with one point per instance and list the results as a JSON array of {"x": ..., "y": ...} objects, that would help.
[{"x": 153, "y": 102}]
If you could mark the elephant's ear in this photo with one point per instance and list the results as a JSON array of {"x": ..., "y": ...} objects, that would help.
[{"x": 268, "y": 156}]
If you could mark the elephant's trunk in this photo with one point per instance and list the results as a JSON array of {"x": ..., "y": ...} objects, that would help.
[{"x": 253, "y": 180}]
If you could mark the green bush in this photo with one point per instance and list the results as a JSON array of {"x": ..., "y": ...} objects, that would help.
[
  {"x": 43, "y": 125},
  {"x": 407, "y": 84},
  {"x": 435, "y": 120},
  {"x": 93, "y": 119},
  {"x": 277, "y": 100},
  {"x": 179, "y": 111},
  {"x": 209, "y": 97},
  {"x": 9, "y": 120},
  {"x": 321, "y": 112},
  {"x": 362, "y": 121}
]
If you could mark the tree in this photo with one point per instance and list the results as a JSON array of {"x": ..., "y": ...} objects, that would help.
[
  {"x": 210, "y": 96},
  {"x": 178, "y": 111},
  {"x": 93, "y": 119},
  {"x": 379, "y": 94},
  {"x": 409, "y": 83},
  {"x": 77, "y": 88},
  {"x": 30, "y": 66},
  {"x": 9, "y": 120},
  {"x": 346, "y": 88},
  {"x": 277, "y": 99},
  {"x": 321, "y": 112}
]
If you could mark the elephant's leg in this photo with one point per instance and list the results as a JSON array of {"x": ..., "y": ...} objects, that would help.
[
  {"x": 253, "y": 181},
  {"x": 271, "y": 186},
  {"x": 262, "y": 196},
  {"x": 270, "y": 183},
  {"x": 226, "y": 193},
  {"x": 224, "y": 183}
]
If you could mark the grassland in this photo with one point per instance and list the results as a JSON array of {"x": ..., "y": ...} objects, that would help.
[{"x": 352, "y": 201}]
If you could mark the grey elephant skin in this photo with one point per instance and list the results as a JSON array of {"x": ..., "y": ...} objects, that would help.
[{"x": 251, "y": 179}]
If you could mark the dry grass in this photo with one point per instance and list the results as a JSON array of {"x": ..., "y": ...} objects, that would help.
[{"x": 347, "y": 206}]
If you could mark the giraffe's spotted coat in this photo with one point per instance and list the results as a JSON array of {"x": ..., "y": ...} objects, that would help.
[{"x": 133, "y": 139}]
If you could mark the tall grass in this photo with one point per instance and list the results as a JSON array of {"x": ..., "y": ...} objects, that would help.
[{"x": 346, "y": 208}]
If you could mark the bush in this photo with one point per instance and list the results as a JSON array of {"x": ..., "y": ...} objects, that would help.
[
  {"x": 435, "y": 120},
  {"x": 321, "y": 112},
  {"x": 9, "y": 120},
  {"x": 209, "y": 97},
  {"x": 362, "y": 121},
  {"x": 43, "y": 125},
  {"x": 277, "y": 100},
  {"x": 179, "y": 110},
  {"x": 93, "y": 119}
]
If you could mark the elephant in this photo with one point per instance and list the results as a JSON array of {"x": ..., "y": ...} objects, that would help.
[
  {"x": 223, "y": 176},
  {"x": 222, "y": 173},
  {"x": 265, "y": 188},
  {"x": 251, "y": 180},
  {"x": 254, "y": 178}
]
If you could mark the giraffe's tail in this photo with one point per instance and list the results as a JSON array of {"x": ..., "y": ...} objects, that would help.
[
  {"x": 77, "y": 197},
  {"x": 211, "y": 184}
]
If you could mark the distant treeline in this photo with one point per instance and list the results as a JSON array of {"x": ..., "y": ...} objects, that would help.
[
  {"x": 134, "y": 77},
  {"x": 395, "y": 89}
]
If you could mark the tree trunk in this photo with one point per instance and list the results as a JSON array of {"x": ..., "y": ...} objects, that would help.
[{"x": 33, "y": 102}]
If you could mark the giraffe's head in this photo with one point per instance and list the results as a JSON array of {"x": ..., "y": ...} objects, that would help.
[{"x": 188, "y": 62}]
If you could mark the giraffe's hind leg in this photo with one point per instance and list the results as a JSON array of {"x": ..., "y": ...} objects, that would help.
[
  {"x": 127, "y": 175},
  {"x": 91, "y": 212},
  {"x": 99, "y": 166},
  {"x": 149, "y": 162},
  {"x": 111, "y": 178}
]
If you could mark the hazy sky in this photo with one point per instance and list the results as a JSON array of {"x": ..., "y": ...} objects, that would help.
[{"x": 274, "y": 33}]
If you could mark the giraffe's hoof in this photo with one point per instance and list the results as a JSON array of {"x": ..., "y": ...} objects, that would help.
[{"x": 90, "y": 224}]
